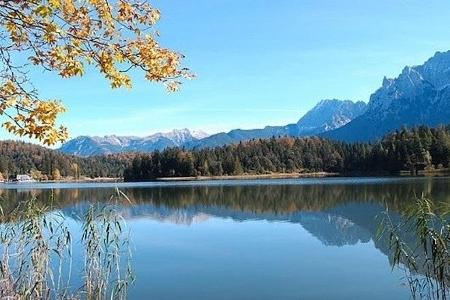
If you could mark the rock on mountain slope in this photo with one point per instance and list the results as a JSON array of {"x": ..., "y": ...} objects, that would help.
[
  {"x": 326, "y": 115},
  {"x": 89, "y": 146},
  {"x": 420, "y": 95}
]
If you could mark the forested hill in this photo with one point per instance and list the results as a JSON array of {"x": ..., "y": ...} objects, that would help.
[
  {"x": 43, "y": 163},
  {"x": 406, "y": 149}
]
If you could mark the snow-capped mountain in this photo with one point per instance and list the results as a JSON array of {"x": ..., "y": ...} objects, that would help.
[
  {"x": 89, "y": 146},
  {"x": 420, "y": 95}
]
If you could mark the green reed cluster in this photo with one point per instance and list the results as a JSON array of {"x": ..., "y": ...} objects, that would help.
[
  {"x": 36, "y": 253},
  {"x": 419, "y": 246}
]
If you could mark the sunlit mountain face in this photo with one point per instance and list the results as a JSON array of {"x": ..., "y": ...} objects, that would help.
[{"x": 420, "y": 95}]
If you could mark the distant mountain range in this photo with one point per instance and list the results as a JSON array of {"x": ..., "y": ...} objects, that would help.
[
  {"x": 326, "y": 115},
  {"x": 420, "y": 95},
  {"x": 89, "y": 146}
]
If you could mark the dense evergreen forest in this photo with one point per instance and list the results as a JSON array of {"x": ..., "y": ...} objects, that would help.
[
  {"x": 406, "y": 149},
  {"x": 43, "y": 163}
]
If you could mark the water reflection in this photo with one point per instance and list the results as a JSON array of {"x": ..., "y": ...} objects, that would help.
[
  {"x": 273, "y": 199},
  {"x": 337, "y": 214}
]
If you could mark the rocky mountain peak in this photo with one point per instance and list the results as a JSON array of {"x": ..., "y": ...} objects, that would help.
[
  {"x": 434, "y": 73},
  {"x": 330, "y": 114},
  {"x": 419, "y": 95}
]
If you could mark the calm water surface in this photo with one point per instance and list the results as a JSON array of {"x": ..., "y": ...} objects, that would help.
[{"x": 254, "y": 239}]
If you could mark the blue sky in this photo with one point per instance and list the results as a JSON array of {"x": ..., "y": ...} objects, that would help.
[{"x": 258, "y": 63}]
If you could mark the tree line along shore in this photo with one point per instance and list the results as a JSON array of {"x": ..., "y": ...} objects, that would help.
[
  {"x": 406, "y": 151},
  {"x": 416, "y": 150}
]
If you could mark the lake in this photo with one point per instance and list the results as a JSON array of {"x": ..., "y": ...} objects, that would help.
[{"x": 251, "y": 239}]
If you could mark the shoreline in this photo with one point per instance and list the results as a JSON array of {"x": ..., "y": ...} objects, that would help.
[
  {"x": 251, "y": 176},
  {"x": 428, "y": 173},
  {"x": 421, "y": 173},
  {"x": 81, "y": 180}
]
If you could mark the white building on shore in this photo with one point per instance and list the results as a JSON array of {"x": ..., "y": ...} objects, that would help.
[{"x": 24, "y": 178}]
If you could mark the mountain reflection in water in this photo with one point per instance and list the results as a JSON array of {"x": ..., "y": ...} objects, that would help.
[{"x": 337, "y": 214}]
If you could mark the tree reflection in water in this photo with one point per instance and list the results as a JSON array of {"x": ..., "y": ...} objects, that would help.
[{"x": 336, "y": 214}]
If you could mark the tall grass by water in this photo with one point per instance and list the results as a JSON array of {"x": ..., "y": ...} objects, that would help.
[
  {"x": 419, "y": 246},
  {"x": 36, "y": 253}
]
